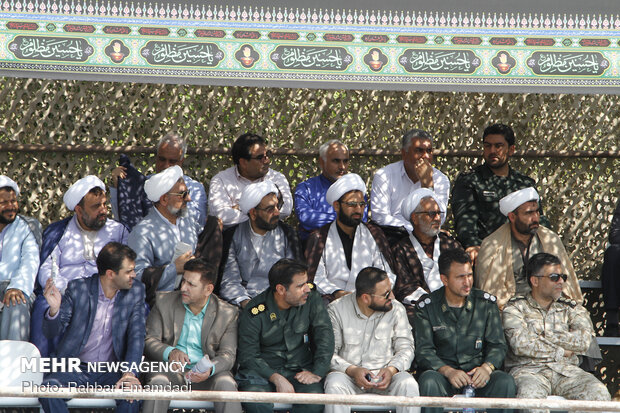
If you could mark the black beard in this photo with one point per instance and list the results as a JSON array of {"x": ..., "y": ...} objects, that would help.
[
  {"x": 383, "y": 308},
  {"x": 265, "y": 225},
  {"x": 348, "y": 221},
  {"x": 5, "y": 221}
]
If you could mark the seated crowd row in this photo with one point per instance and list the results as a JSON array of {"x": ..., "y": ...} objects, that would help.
[{"x": 164, "y": 219}]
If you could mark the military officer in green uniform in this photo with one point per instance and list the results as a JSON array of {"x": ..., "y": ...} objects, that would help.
[
  {"x": 459, "y": 337},
  {"x": 286, "y": 339},
  {"x": 476, "y": 194}
]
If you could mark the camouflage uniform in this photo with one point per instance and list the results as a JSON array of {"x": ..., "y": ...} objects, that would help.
[{"x": 538, "y": 340}]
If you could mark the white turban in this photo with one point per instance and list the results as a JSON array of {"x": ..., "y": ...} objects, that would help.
[
  {"x": 515, "y": 199},
  {"x": 411, "y": 202},
  {"x": 6, "y": 181},
  {"x": 76, "y": 192},
  {"x": 254, "y": 193},
  {"x": 159, "y": 184},
  {"x": 346, "y": 183}
]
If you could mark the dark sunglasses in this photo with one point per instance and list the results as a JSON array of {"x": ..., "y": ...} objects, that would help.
[
  {"x": 268, "y": 154},
  {"x": 554, "y": 277},
  {"x": 431, "y": 214},
  {"x": 386, "y": 295},
  {"x": 183, "y": 194}
]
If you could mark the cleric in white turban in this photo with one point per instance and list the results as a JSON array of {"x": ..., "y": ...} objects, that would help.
[
  {"x": 411, "y": 202},
  {"x": 253, "y": 194},
  {"x": 76, "y": 192},
  {"x": 160, "y": 184},
  {"x": 515, "y": 199},
  {"x": 6, "y": 181},
  {"x": 346, "y": 183}
]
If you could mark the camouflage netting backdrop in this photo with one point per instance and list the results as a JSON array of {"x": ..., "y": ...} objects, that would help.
[{"x": 579, "y": 194}]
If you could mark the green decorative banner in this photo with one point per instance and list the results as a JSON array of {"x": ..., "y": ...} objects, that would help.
[{"x": 193, "y": 43}]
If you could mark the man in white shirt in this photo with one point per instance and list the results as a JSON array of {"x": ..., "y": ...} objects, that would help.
[
  {"x": 252, "y": 159},
  {"x": 391, "y": 184},
  {"x": 373, "y": 343}
]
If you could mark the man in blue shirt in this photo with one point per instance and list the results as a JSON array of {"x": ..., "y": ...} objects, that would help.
[
  {"x": 193, "y": 326},
  {"x": 312, "y": 210}
]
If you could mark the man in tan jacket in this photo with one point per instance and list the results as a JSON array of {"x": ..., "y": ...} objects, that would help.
[
  {"x": 193, "y": 326},
  {"x": 502, "y": 261}
]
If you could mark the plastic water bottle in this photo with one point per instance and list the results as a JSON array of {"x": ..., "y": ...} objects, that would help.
[
  {"x": 469, "y": 391},
  {"x": 204, "y": 364}
]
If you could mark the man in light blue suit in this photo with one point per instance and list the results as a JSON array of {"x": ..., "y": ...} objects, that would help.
[{"x": 99, "y": 319}]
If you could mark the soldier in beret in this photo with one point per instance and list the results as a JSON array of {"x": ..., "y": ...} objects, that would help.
[
  {"x": 286, "y": 339},
  {"x": 546, "y": 333},
  {"x": 459, "y": 337}
]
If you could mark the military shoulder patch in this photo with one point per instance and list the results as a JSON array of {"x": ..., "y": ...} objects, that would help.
[
  {"x": 257, "y": 309},
  {"x": 567, "y": 301},
  {"x": 423, "y": 301},
  {"x": 489, "y": 297}
]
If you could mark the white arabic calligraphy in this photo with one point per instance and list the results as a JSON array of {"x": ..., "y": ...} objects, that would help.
[
  {"x": 316, "y": 58},
  {"x": 448, "y": 61},
  {"x": 47, "y": 48},
  {"x": 563, "y": 63},
  {"x": 174, "y": 53}
]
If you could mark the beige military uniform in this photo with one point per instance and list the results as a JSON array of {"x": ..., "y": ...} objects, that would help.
[{"x": 538, "y": 341}]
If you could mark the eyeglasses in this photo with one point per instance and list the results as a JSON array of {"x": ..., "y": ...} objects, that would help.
[
  {"x": 361, "y": 204},
  {"x": 554, "y": 277},
  {"x": 183, "y": 194},
  {"x": 386, "y": 295},
  {"x": 271, "y": 208},
  {"x": 431, "y": 214},
  {"x": 268, "y": 154}
]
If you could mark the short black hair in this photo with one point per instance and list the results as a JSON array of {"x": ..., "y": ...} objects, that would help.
[
  {"x": 207, "y": 271},
  {"x": 112, "y": 255},
  {"x": 367, "y": 280},
  {"x": 242, "y": 145},
  {"x": 537, "y": 262},
  {"x": 448, "y": 257},
  {"x": 414, "y": 134},
  {"x": 96, "y": 191},
  {"x": 500, "y": 129},
  {"x": 282, "y": 272},
  {"x": 7, "y": 188}
]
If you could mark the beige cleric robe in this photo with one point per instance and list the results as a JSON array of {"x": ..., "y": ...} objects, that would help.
[{"x": 494, "y": 266}]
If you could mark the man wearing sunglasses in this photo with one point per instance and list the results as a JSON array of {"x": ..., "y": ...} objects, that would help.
[
  {"x": 337, "y": 252},
  {"x": 373, "y": 343},
  {"x": 166, "y": 238},
  {"x": 252, "y": 160},
  {"x": 503, "y": 257},
  {"x": 392, "y": 183},
  {"x": 546, "y": 334},
  {"x": 417, "y": 256},
  {"x": 252, "y": 247}
]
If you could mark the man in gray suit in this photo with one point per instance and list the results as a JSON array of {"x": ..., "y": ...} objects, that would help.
[
  {"x": 193, "y": 326},
  {"x": 256, "y": 244}
]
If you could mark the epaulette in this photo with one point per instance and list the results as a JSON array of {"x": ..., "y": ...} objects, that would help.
[
  {"x": 257, "y": 309},
  {"x": 516, "y": 298},
  {"x": 423, "y": 301},
  {"x": 568, "y": 301},
  {"x": 489, "y": 297}
]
